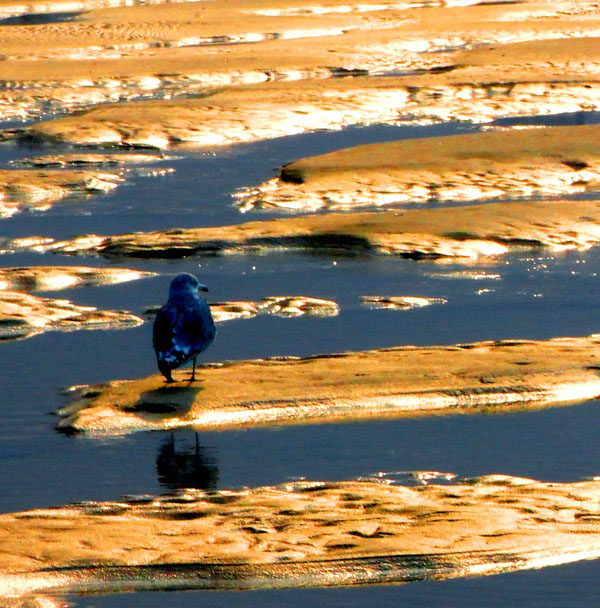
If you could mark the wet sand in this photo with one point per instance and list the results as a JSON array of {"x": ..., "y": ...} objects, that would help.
[
  {"x": 83, "y": 159},
  {"x": 400, "y": 302},
  {"x": 281, "y": 306},
  {"x": 445, "y": 233},
  {"x": 403, "y": 381},
  {"x": 127, "y": 53},
  {"x": 23, "y": 316},
  {"x": 480, "y": 166},
  {"x": 52, "y": 278},
  {"x": 275, "y": 109},
  {"x": 299, "y": 534},
  {"x": 208, "y": 74},
  {"x": 38, "y": 190}
]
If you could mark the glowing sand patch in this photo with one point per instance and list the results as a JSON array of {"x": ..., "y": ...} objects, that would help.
[
  {"x": 52, "y": 278},
  {"x": 246, "y": 115},
  {"x": 23, "y": 316},
  {"x": 400, "y": 302},
  {"x": 401, "y": 381},
  {"x": 64, "y": 161},
  {"x": 301, "y": 534},
  {"x": 479, "y": 166},
  {"x": 37, "y": 190}
]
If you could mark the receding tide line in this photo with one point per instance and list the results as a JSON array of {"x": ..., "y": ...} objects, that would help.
[{"x": 318, "y": 573}]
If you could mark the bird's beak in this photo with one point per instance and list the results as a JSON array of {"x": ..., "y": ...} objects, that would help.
[{"x": 202, "y": 287}]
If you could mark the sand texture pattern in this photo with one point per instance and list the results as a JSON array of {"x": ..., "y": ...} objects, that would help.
[
  {"x": 498, "y": 164},
  {"x": 23, "y": 316},
  {"x": 300, "y": 534},
  {"x": 402, "y": 381},
  {"x": 174, "y": 50},
  {"x": 462, "y": 232}
]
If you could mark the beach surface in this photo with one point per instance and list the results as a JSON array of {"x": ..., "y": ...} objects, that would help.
[
  {"x": 300, "y": 534},
  {"x": 403, "y": 381},
  {"x": 468, "y": 168},
  {"x": 465, "y": 232},
  {"x": 98, "y": 98}
]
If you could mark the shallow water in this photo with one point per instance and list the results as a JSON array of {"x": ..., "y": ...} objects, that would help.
[
  {"x": 198, "y": 193},
  {"x": 523, "y": 295},
  {"x": 41, "y": 18},
  {"x": 527, "y": 301}
]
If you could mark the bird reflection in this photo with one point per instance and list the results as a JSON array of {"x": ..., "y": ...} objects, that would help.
[{"x": 185, "y": 466}]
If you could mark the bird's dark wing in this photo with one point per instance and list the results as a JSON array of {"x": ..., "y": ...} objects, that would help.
[
  {"x": 194, "y": 329},
  {"x": 162, "y": 331},
  {"x": 168, "y": 355}
]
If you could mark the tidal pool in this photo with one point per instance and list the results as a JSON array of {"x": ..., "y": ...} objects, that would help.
[{"x": 529, "y": 294}]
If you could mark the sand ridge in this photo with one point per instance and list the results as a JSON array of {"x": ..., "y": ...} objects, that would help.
[
  {"x": 402, "y": 381},
  {"x": 275, "y": 109},
  {"x": 23, "y": 315},
  {"x": 460, "y": 233},
  {"x": 71, "y": 160},
  {"x": 38, "y": 190},
  {"x": 487, "y": 165},
  {"x": 400, "y": 302},
  {"x": 51, "y": 278},
  {"x": 299, "y": 534}
]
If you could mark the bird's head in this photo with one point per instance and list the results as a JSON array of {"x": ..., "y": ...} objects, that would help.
[{"x": 186, "y": 282}]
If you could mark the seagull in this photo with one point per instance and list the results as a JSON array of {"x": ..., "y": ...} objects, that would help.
[{"x": 183, "y": 327}]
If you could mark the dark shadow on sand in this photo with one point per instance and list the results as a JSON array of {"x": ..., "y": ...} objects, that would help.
[{"x": 167, "y": 401}]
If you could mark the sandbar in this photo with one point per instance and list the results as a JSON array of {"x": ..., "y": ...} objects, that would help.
[
  {"x": 400, "y": 302},
  {"x": 37, "y": 190},
  {"x": 88, "y": 160},
  {"x": 554, "y": 161},
  {"x": 402, "y": 381},
  {"x": 299, "y": 535},
  {"x": 460, "y": 233},
  {"x": 246, "y": 114},
  {"x": 280, "y": 306},
  {"x": 52, "y": 278},
  {"x": 23, "y": 316}
]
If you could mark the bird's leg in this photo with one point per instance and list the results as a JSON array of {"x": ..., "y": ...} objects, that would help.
[{"x": 193, "y": 378}]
